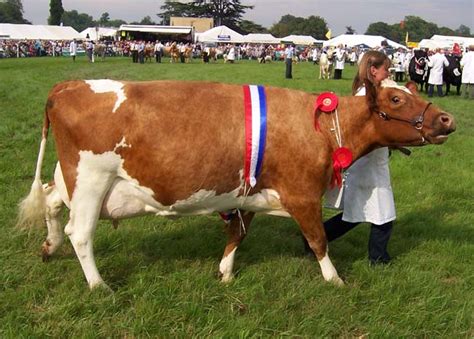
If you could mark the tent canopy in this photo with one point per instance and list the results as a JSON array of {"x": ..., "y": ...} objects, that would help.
[
  {"x": 301, "y": 39},
  {"x": 351, "y": 40},
  {"x": 259, "y": 38},
  {"x": 41, "y": 32},
  {"x": 157, "y": 29},
  {"x": 463, "y": 41},
  {"x": 220, "y": 34},
  {"x": 99, "y": 33}
]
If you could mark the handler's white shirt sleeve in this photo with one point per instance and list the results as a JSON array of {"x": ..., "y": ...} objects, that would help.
[{"x": 367, "y": 194}]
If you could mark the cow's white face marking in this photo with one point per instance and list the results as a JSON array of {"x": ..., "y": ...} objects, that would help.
[
  {"x": 393, "y": 84},
  {"x": 105, "y": 86}
]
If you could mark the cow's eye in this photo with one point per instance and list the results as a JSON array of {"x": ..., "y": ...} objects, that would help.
[{"x": 395, "y": 100}]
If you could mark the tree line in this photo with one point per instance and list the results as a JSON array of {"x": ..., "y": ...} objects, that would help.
[{"x": 230, "y": 13}]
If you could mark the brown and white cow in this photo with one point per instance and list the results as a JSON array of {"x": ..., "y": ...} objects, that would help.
[{"x": 126, "y": 149}]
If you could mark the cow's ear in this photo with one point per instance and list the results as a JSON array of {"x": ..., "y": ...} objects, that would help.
[
  {"x": 371, "y": 95},
  {"x": 411, "y": 85}
]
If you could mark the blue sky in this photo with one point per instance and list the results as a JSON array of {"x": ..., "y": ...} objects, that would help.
[{"x": 337, "y": 13}]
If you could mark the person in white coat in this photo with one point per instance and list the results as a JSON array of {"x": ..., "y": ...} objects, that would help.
[
  {"x": 340, "y": 57},
  {"x": 436, "y": 63},
  {"x": 467, "y": 65},
  {"x": 366, "y": 192},
  {"x": 231, "y": 54},
  {"x": 73, "y": 49}
]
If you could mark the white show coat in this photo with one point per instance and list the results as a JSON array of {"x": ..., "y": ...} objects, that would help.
[
  {"x": 437, "y": 62},
  {"x": 340, "y": 58},
  {"x": 72, "y": 48},
  {"x": 467, "y": 64},
  {"x": 367, "y": 193}
]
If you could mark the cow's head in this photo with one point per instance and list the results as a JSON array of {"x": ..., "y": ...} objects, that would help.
[{"x": 404, "y": 118}]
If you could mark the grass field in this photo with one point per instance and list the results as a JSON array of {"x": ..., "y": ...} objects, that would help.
[{"x": 163, "y": 271}]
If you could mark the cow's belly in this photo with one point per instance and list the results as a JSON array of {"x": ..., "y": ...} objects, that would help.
[{"x": 125, "y": 199}]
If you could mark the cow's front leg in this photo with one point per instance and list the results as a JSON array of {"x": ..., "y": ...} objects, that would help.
[
  {"x": 236, "y": 231},
  {"x": 308, "y": 215}
]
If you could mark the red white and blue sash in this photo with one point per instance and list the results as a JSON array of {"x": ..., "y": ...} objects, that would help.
[{"x": 255, "y": 131}]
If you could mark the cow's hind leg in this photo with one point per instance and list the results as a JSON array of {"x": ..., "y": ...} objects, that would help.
[
  {"x": 236, "y": 231},
  {"x": 54, "y": 205},
  {"x": 309, "y": 217},
  {"x": 91, "y": 188}
]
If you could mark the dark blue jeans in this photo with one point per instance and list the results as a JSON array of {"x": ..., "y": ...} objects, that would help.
[
  {"x": 431, "y": 90},
  {"x": 378, "y": 239}
]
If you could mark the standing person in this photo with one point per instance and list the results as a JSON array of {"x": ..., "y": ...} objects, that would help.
[
  {"x": 73, "y": 49},
  {"x": 231, "y": 54},
  {"x": 134, "y": 50},
  {"x": 353, "y": 57},
  {"x": 158, "y": 51},
  {"x": 436, "y": 62},
  {"x": 141, "y": 51},
  {"x": 399, "y": 56},
  {"x": 340, "y": 60},
  {"x": 289, "y": 54},
  {"x": 366, "y": 192},
  {"x": 314, "y": 54},
  {"x": 467, "y": 64},
  {"x": 90, "y": 50}
]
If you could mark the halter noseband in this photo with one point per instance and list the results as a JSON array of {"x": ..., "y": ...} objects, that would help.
[{"x": 417, "y": 122}]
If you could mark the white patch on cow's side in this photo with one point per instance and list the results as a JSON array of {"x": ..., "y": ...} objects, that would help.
[
  {"x": 226, "y": 266},
  {"x": 122, "y": 144},
  {"x": 61, "y": 185},
  {"x": 329, "y": 271},
  {"x": 105, "y": 86},
  {"x": 393, "y": 84}
]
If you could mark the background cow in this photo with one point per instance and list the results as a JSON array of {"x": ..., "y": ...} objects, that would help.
[
  {"x": 126, "y": 149},
  {"x": 418, "y": 69},
  {"x": 452, "y": 74}
]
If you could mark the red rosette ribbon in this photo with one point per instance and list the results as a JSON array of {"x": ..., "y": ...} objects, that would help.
[
  {"x": 341, "y": 159},
  {"x": 325, "y": 102}
]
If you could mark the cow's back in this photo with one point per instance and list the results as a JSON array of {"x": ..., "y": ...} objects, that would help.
[{"x": 174, "y": 137}]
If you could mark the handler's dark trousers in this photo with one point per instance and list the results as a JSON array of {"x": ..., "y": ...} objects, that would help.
[
  {"x": 158, "y": 57},
  {"x": 378, "y": 239},
  {"x": 431, "y": 90},
  {"x": 289, "y": 66}
]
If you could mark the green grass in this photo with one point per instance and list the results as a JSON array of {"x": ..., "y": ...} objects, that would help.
[{"x": 163, "y": 271}]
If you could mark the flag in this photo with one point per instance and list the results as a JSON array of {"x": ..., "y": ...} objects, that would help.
[
  {"x": 328, "y": 34},
  {"x": 406, "y": 39}
]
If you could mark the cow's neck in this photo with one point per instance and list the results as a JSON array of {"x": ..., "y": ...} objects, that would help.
[{"x": 356, "y": 125}]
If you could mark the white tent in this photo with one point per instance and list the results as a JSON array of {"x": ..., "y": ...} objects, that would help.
[
  {"x": 463, "y": 41},
  {"x": 300, "y": 39},
  {"x": 95, "y": 33},
  {"x": 432, "y": 44},
  {"x": 259, "y": 38},
  {"x": 41, "y": 32},
  {"x": 351, "y": 40},
  {"x": 220, "y": 34}
]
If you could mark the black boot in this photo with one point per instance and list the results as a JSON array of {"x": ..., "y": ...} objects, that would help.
[{"x": 378, "y": 242}]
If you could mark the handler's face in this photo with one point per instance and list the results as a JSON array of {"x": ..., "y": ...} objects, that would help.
[{"x": 379, "y": 74}]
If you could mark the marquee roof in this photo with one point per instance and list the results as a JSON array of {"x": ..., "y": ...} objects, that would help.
[
  {"x": 351, "y": 40},
  {"x": 41, "y": 32}
]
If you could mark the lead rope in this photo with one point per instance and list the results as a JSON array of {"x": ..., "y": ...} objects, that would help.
[{"x": 337, "y": 132}]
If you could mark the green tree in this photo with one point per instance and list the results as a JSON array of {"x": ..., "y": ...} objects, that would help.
[
  {"x": 247, "y": 26},
  {"x": 463, "y": 30},
  {"x": 56, "y": 11},
  {"x": 350, "y": 30},
  {"x": 78, "y": 21},
  {"x": 224, "y": 12},
  {"x": 104, "y": 19},
  {"x": 379, "y": 28},
  {"x": 314, "y": 26},
  {"x": 11, "y": 11},
  {"x": 419, "y": 29}
]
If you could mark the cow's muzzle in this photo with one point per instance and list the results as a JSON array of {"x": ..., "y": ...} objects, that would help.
[{"x": 443, "y": 125}]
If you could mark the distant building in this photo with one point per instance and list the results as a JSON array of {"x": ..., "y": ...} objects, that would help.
[{"x": 200, "y": 24}]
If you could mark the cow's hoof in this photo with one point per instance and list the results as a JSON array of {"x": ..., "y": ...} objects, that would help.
[
  {"x": 45, "y": 253},
  {"x": 225, "y": 277},
  {"x": 101, "y": 287},
  {"x": 337, "y": 281}
]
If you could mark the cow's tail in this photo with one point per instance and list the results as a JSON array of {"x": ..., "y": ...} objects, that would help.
[{"x": 32, "y": 209}]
